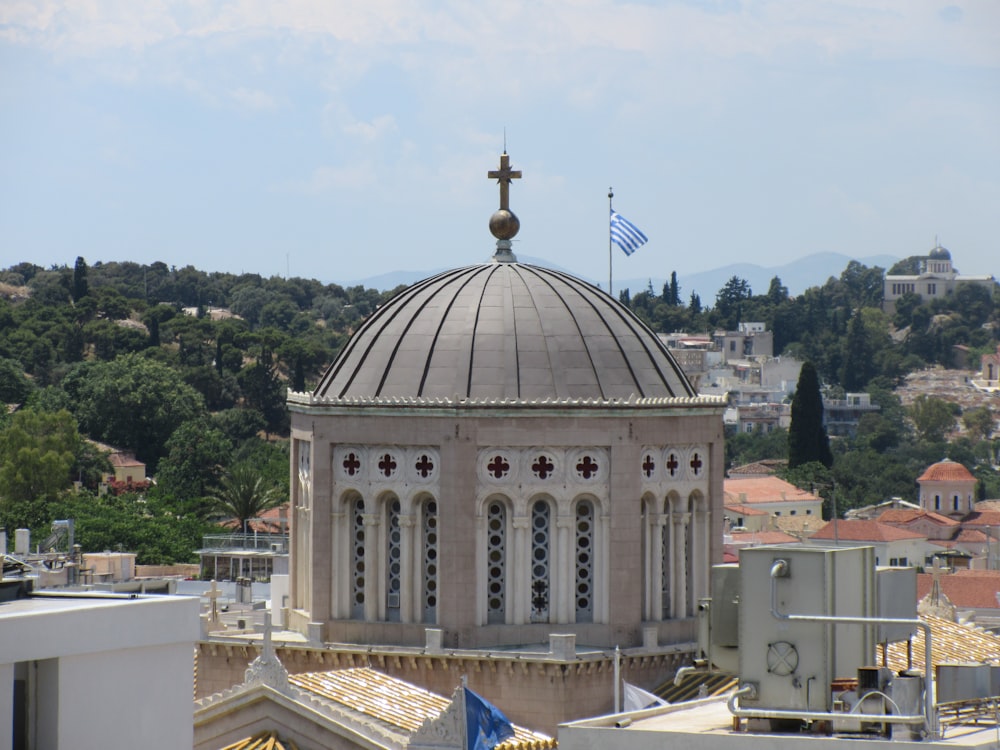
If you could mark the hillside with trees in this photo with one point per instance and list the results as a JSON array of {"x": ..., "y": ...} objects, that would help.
[
  {"x": 188, "y": 370},
  {"x": 853, "y": 346}
]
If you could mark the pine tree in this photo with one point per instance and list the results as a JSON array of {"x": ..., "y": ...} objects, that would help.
[{"x": 807, "y": 438}]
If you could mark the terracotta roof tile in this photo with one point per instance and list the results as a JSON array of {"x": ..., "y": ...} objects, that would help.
[
  {"x": 946, "y": 471},
  {"x": 904, "y": 516},
  {"x": 765, "y": 467},
  {"x": 975, "y": 591},
  {"x": 757, "y": 538},
  {"x": 807, "y": 525},
  {"x": 971, "y": 536},
  {"x": 122, "y": 460},
  {"x": 767, "y": 489},
  {"x": 747, "y": 510},
  {"x": 982, "y": 518},
  {"x": 864, "y": 531}
]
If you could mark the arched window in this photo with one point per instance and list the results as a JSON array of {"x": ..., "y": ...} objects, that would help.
[
  {"x": 429, "y": 535},
  {"x": 584, "y": 561},
  {"x": 394, "y": 556},
  {"x": 541, "y": 516},
  {"x": 358, "y": 559},
  {"x": 496, "y": 562}
]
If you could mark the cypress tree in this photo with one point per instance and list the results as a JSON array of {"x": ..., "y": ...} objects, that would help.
[
  {"x": 80, "y": 287},
  {"x": 807, "y": 438}
]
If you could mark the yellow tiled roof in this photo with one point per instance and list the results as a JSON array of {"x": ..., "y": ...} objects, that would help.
[
  {"x": 395, "y": 702},
  {"x": 716, "y": 683},
  {"x": 262, "y": 741},
  {"x": 950, "y": 642}
]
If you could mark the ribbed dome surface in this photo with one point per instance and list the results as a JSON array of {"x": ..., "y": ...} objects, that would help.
[
  {"x": 946, "y": 471},
  {"x": 505, "y": 331}
]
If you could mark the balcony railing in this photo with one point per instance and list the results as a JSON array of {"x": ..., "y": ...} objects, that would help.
[{"x": 277, "y": 543}]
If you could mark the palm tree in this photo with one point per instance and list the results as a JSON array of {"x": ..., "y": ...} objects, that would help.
[{"x": 245, "y": 494}]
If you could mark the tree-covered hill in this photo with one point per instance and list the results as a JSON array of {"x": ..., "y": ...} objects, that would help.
[{"x": 189, "y": 371}]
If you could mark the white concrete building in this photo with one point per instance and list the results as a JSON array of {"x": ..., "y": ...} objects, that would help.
[{"x": 97, "y": 671}]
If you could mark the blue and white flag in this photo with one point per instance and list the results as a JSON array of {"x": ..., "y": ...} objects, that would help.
[
  {"x": 625, "y": 234},
  {"x": 486, "y": 725}
]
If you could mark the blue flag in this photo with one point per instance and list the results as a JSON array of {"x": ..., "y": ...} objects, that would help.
[
  {"x": 486, "y": 725},
  {"x": 625, "y": 234}
]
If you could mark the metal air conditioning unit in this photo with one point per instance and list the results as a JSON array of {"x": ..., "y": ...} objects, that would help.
[{"x": 793, "y": 664}]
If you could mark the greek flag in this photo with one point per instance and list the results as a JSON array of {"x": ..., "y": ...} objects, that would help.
[
  {"x": 486, "y": 725},
  {"x": 625, "y": 234}
]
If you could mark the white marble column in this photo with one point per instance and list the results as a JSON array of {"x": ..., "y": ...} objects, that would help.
[
  {"x": 411, "y": 576},
  {"x": 564, "y": 557},
  {"x": 703, "y": 527},
  {"x": 682, "y": 554},
  {"x": 654, "y": 567},
  {"x": 602, "y": 566},
  {"x": 339, "y": 574},
  {"x": 518, "y": 570},
  {"x": 373, "y": 568}
]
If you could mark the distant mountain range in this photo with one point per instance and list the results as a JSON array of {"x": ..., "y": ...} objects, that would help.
[{"x": 799, "y": 275}]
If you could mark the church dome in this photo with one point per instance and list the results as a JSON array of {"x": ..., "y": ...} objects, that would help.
[
  {"x": 946, "y": 471},
  {"x": 505, "y": 331},
  {"x": 940, "y": 253}
]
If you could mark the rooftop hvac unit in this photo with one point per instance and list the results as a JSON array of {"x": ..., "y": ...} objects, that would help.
[
  {"x": 718, "y": 627},
  {"x": 897, "y": 597},
  {"x": 276, "y": 547},
  {"x": 792, "y": 664}
]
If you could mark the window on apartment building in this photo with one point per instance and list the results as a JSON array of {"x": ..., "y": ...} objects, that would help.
[
  {"x": 809, "y": 511},
  {"x": 792, "y": 512}
]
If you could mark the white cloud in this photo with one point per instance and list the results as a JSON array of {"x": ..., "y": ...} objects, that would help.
[
  {"x": 253, "y": 99},
  {"x": 518, "y": 33},
  {"x": 373, "y": 130},
  {"x": 329, "y": 178}
]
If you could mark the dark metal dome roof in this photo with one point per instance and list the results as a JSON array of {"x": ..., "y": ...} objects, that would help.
[
  {"x": 940, "y": 253},
  {"x": 504, "y": 331}
]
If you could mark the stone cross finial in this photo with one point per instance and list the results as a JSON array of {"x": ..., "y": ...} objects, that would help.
[
  {"x": 504, "y": 175},
  {"x": 213, "y": 595},
  {"x": 267, "y": 669}
]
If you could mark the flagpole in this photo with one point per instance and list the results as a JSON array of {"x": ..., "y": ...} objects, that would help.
[
  {"x": 618, "y": 682},
  {"x": 611, "y": 194},
  {"x": 465, "y": 714}
]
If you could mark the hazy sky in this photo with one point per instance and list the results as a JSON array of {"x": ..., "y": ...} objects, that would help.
[{"x": 339, "y": 140}]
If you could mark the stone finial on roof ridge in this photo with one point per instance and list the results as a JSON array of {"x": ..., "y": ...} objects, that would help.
[
  {"x": 445, "y": 731},
  {"x": 267, "y": 668}
]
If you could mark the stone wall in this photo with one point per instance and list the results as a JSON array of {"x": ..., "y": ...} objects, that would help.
[{"x": 533, "y": 690}]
